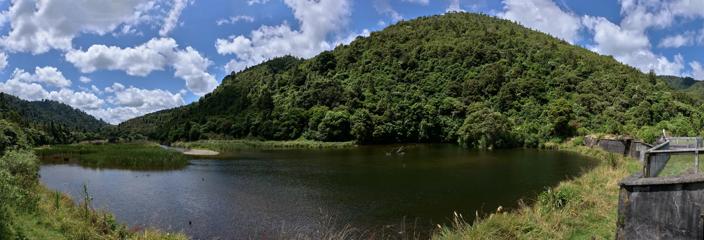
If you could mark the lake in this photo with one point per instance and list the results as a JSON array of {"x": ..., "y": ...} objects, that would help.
[{"x": 263, "y": 194}]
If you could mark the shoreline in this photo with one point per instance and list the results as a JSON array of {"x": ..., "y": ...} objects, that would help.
[{"x": 583, "y": 207}]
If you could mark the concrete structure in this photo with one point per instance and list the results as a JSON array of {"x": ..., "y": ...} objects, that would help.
[
  {"x": 661, "y": 208},
  {"x": 618, "y": 144},
  {"x": 653, "y": 207}
]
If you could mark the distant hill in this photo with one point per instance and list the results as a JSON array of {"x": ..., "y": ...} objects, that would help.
[
  {"x": 48, "y": 122},
  {"x": 459, "y": 77},
  {"x": 687, "y": 86},
  {"x": 678, "y": 83},
  {"x": 46, "y": 112}
]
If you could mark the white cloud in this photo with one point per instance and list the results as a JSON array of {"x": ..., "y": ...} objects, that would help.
[
  {"x": 191, "y": 66},
  {"x": 3, "y": 61},
  {"x": 422, "y": 2},
  {"x": 85, "y": 79},
  {"x": 19, "y": 86},
  {"x": 351, "y": 37},
  {"x": 154, "y": 55},
  {"x": 137, "y": 61},
  {"x": 38, "y": 26},
  {"x": 697, "y": 70},
  {"x": 24, "y": 90},
  {"x": 43, "y": 75},
  {"x": 133, "y": 102},
  {"x": 171, "y": 19},
  {"x": 630, "y": 46},
  {"x": 384, "y": 7},
  {"x": 678, "y": 40},
  {"x": 252, "y": 2},
  {"x": 80, "y": 100},
  {"x": 234, "y": 19},
  {"x": 545, "y": 16},
  {"x": 115, "y": 88},
  {"x": 454, "y": 6},
  {"x": 125, "y": 102},
  {"x": 317, "y": 19}
]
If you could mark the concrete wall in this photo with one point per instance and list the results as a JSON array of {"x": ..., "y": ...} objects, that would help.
[
  {"x": 626, "y": 146},
  {"x": 661, "y": 208}
]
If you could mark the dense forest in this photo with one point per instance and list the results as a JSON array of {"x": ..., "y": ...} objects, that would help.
[
  {"x": 459, "y": 77},
  {"x": 26, "y": 123},
  {"x": 687, "y": 85}
]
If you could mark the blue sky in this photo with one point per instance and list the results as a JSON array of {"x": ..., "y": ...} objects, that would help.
[{"x": 120, "y": 59}]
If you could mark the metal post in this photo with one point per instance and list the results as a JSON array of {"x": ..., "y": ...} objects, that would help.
[{"x": 696, "y": 160}]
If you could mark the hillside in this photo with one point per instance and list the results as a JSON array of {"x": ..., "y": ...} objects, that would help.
[
  {"x": 687, "y": 86},
  {"x": 679, "y": 83},
  {"x": 48, "y": 121},
  {"x": 459, "y": 77}
]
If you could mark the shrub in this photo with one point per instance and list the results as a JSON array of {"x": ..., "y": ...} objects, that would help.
[
  {"x": 485, "y": 129},
  {"x": 557, "y": 199}
]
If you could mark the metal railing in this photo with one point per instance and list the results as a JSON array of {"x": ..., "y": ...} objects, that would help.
[{"x": 657, "y": 157}]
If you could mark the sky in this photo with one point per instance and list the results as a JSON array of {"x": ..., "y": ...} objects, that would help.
[{"x": 117, "y": 60}]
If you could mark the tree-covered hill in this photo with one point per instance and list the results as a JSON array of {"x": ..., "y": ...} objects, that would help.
[
  {"x": 45, "y": 121},
  {"x": 679, "y": 83},
  {"x": 686, "y": 85},
  {"x": 476, "y": 79}
]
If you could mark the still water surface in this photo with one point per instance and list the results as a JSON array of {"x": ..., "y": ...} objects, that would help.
[{"x": 257, "y": 194}]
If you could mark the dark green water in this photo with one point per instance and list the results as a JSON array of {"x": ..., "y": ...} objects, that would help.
[{"x": 256, "y": 194}]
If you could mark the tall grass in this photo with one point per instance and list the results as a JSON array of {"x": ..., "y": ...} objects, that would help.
[
  {"x": 225, "y": 146},
  {"x": 580, "y": 208},
  {"x": 142, "y": 156},
  {"x": 30, "y": 211}
]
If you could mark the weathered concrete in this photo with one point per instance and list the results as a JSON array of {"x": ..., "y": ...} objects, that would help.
[
  {"x": 619, "y": 144},
  {"x": 661, "y": 208}
]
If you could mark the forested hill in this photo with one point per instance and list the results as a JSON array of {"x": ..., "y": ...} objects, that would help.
[
  {"x": 46, "y": 112},
  {"x": 476, "y": 79},
  {"x": 45, "y": 122}
]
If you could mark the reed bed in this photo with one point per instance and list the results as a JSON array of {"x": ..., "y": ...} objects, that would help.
[
  {"x": 139, "y": 156},
  {"x": 225, "y": 146}
]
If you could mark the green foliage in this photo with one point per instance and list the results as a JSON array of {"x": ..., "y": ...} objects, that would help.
[
  {"x": 47, "y": 122},
  {"x": 230, "y": 146},
  {"x": 123, "y": 155},
  {"x": 557, "y": 199},
  {"x": 414, "y": 82},
  {"x": 485, "y": 128},
  {"x": 11, "y": 137}
]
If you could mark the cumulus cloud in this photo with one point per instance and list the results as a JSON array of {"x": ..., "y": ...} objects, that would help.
[
  {"x": 630, "y": 46},
  {"x": 384, "y": 7},
  {"x": 3, "y": 61},
  {"x": 234, "y": 19},
  {"x": 422, "y": 2},
  {"x": 131, "y": 102},
  {"x": 454, "y": 6},
  {"x": 123, "y": 103},
  {"x": 253, "y": 2},
  {"x": 85, "y": 79},
  {"x": 43, "y": 75},
  {"x": 171, "y": 19},
  {"x": 676, "y": 41},
  {"x": 697, "y": 70},
  {"x": 38, "y": 26},
  {"x": 545, "y": 16},
  {"x": 29, "y": 86},
  {"x": 317, "y": 19},
  {"x": 154, "y": 55}
]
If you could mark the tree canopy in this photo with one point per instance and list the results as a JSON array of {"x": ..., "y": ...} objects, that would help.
[{"x": 458, "y": 77}]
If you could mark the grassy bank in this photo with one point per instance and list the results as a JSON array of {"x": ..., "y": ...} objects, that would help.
[
  {"x": 580, "y": 208},
  {"x": 126, "y": 155},
  {"x": 30, "y": 211},
  {"x": 225, "y": 146}
]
